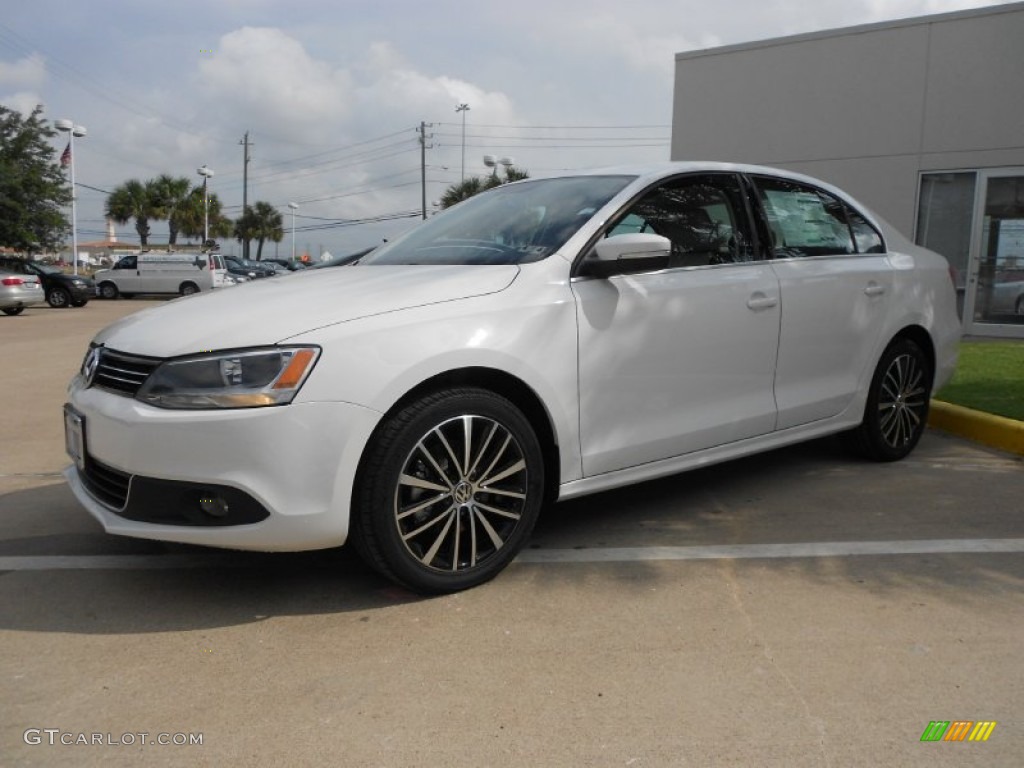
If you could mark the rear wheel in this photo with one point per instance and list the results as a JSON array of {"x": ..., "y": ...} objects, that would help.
[
  {"x": 897, "y": 409},
  {"x": 58, "y": 298},
  {"x": 187, "y": 289},
  {"x": 13, "y": 310},
  {"x": 108, "y": 291},
  {"x": 449, "y": 490}
]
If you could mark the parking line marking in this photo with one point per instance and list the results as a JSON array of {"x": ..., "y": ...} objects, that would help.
[
  {"x": 765, "y": 551},
  {"x": 541, "y": 556}
]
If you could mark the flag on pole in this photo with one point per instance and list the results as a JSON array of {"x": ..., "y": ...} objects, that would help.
[{"x": 65, "y": 159}]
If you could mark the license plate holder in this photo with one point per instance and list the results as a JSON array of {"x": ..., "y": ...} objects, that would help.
[{"x": 74, "y": 436}]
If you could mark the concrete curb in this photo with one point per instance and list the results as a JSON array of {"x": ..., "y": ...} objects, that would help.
[{"x": 995, "y": 431}]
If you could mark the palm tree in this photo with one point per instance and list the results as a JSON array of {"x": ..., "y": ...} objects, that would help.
[
  {"x": 135, "y": 200},
  {"x": 191, "y": 214},
  {"x": 260, "y": 222},
  {"x": 171, "y": 195},
  {"x": 474, "y": 185}
]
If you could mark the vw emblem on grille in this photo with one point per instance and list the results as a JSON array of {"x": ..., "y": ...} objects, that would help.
[{"x": 92, "y": 362}]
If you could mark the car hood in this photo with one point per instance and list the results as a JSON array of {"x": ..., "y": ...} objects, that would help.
[{"x": 273, "y": 310}]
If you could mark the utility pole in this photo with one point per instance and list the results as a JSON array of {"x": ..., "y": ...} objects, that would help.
[
  {"x": 245, "y": 188},
  {"x": 423, "y": 164},
  {"x": 463, "y": 108}
]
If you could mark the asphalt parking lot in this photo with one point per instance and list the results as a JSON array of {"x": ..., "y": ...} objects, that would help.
[{"x": 800, "y": 608}]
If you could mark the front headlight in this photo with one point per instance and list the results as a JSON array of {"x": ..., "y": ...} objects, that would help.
[{"x": 241, "y": 379}]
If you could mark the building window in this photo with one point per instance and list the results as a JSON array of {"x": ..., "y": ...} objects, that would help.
[{"x": 944, "y": 212}]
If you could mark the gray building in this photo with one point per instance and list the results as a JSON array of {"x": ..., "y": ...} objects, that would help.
[{"x": 922, "y": 119}]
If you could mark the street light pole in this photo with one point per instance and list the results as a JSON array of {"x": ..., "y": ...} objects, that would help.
[
  {"x": 293, "y": 206},
  {"x": 463, "y": 108},
  {"x": 72, "y": 130},
  {"x": 206, "y": 173}
]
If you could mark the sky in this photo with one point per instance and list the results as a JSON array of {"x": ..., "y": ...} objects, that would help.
[{"x": 332, "y": 93}]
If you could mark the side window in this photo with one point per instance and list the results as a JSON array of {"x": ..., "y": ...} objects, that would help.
[
  {"x": 864, "y": 235},
  {"x": 704, "y": 217},
  {"x": 803, "y": 221},
  {"x": 127, "y": 262}
]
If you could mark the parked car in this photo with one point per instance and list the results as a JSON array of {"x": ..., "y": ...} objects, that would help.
[
  {"x": 62, "y": 290},
  {"x": 248, "y": 268},
  {"x": 543, "y": 340},
  {"x": 157, "y": 272},
  {"x": 18, "y": 290},
  {"x": 1008, "y": 298},
  {"x": 342, "y": 261},
  {"x": 291, "y": 265}
]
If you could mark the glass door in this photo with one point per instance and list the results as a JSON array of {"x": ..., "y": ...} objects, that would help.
[{"x": 994, "y": 300}]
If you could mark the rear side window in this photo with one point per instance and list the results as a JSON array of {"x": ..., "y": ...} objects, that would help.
[{"x": 806, "y": 221}]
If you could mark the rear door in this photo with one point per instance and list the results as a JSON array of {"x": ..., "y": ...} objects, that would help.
[{"x": 835, "y": 281}]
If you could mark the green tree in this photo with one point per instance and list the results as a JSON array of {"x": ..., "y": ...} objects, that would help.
[
  {"x": 135, "y": 200},
  {"x": 190, "y": 216},
  {"x": 260, "y": 222},
  {"x": 171, "y": 194},
  {"x": 474, "y": 185},
  {"x": 33, "y": 190}
]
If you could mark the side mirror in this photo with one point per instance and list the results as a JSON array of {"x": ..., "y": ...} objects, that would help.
[{"x": 622, "y": 254}]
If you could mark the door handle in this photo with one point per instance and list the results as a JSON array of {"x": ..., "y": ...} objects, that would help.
[
  {"x": 759, "y": 301},
  {"x": 874, "y": 289}
]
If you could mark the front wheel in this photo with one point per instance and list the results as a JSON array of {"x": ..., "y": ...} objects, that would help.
[
  {"x": 58, "y": 298},
  {"x": 449, "y": 490},
  {"x": 13, "y": 310},
  {"x": 897, "y": 409},
  {"x": 108, "y": 291}
]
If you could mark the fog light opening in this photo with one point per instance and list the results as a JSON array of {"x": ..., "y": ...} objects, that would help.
[{"x": 213, "y": 505}]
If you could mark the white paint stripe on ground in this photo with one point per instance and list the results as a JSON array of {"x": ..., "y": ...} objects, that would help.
[
  {"x": 757, "y": 551},
  {"x": 596, "y": 555}
]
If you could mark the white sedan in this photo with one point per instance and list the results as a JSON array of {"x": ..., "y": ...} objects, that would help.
[{"x": 543, "y": 340}]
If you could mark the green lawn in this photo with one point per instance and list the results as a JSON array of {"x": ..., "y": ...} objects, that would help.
[{"x": 989, "y": 377}]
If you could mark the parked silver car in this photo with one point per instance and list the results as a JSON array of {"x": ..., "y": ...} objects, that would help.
[{"x": 18, "y": 292}]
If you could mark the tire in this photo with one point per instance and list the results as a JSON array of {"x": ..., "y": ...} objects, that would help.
[
  {"x": 58, "y": 298},
  {"x": 897, "y": 409},
  {"x": 448, "y": 491},
  {"x": 108, "y": 291},
  {"x": 13, "y": 310},
  {"x": 187, "y": 289}
]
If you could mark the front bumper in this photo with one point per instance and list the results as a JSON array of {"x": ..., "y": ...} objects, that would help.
[{"x": 287, "y": 471}]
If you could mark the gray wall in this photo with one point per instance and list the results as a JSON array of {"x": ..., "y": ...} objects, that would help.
[{"x": 866, "y": 107}]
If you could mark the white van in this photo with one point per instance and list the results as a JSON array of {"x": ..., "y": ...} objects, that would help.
[{"x": 181, "y": 273}]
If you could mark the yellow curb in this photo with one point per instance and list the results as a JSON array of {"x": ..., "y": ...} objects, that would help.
[{"x": 996, "y": 431}]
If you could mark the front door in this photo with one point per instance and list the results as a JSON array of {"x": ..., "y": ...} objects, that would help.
[{"x": 680, "y": 359}]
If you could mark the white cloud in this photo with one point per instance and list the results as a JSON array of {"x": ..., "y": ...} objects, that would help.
[
  {"x": 22, "y": 101},
  {"x": 262, "y": 74},
  {"x": 29, "y": 72}
]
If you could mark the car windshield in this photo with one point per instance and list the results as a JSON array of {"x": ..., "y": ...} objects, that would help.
[{"x": 511, "y": 224}]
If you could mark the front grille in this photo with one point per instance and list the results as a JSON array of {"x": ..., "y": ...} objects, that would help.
[
  {"x": 107, "y": 484},
  {"x": 122, "y": 373}
]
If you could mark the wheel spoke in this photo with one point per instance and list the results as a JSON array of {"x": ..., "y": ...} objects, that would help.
[
  {"x": 419, "y": 482},
  {"x": 517, "y": 467},
  {"x": 433, "y": 462},
  {"x": 496, "y": 511},
  {"x": 428, "y": 558},
  {"x": 451, "y": 453},
  {"x": 421, "y": 506},
  {"x": 496, "y": 540},
  {"x": 448, "y": 513},
  {"x": 483, "y": 449}
]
